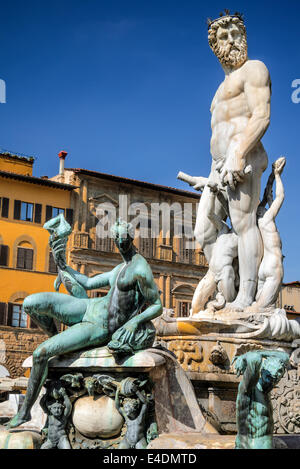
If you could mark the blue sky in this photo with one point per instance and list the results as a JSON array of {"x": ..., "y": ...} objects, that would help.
[{"x": 125, "y": 87}]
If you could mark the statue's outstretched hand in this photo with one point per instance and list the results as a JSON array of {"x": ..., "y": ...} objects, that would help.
[
  {"x": 279, "y": 165},
  {"x": 240, "y": 364}
]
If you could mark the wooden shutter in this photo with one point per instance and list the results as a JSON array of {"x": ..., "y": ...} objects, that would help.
[
  {"x": 20, "y": 258},
  {"x": 3, "y": 314},
  {"x": 69, "y": 216},
  {"x": 5, "y": 207},
  {"x": 3, "y": 254},
  {"x": 28, "y": 259},
  {"x": 17, "y": 210},
  {"x": 9, "y": 313},
  {"x": 33, "y": 325},
  {"x": 48, "y": 212},
  {"x": 52, "y": 264},
  {"x": 37, "y": 213}
]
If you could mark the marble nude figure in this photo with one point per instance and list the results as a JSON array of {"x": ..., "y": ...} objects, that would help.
[
  {"x": 121, "y": 319},
  {"x": 240, "y": 116}
]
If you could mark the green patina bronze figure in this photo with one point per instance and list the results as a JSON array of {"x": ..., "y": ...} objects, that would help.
[
  {"x": 262, "y": 371},
  {"x": 134, "y": 411},
  {"x": 58, "y": 411},
  {"x": 121, "y": 319}
]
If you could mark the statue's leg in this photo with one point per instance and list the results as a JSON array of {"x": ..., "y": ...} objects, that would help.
[
  {"x": 227, "y": 283},
  {"x": 270, "y": 291},
  {"x": 205, "y": 231},
  {"x": 243, "y": 203},
  {"x": 85, "y": 334},
  {"x": 203, "y": 292},
  {"x": 64, "y": 443},
  {"x": 44, "y": 307},
  {"x": 243, "y": 207}
]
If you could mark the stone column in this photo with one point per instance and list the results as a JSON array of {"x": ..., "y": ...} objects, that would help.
[
  {"x": 168, "y": 292},
  {"x": 77, "y": 200},
  {"x": 84, "y": 206}
]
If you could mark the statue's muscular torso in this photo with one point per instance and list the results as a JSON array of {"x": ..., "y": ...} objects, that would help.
[
  {"x": 255, "y": 419},
  {"x": 123, "y": 301},
  {"x": 231, "y": 111}
]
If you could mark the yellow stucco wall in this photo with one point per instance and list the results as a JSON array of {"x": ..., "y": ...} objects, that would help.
[
  {"x": 290, "y": 296},
  {"x": 16, "y": 165},
  {"x": 15, "y": 283}
]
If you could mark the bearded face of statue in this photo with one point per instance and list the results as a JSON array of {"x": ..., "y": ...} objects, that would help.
[{"x": 229, "y": 43}]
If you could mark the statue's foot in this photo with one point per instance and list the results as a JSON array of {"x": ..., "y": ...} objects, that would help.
[
  {"x": 18, "y": 420},
  {"x": 237, "y": 306}
]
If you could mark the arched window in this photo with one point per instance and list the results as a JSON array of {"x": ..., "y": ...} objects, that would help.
[
  {"x": 15, "y": 317},
  {"x": 182, "y": 300},
  {"x": 25, "y": 254}
]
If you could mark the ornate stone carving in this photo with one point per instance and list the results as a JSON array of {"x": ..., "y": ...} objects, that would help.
[
  {"x": 188, "y": 353},
  {"x": 218, "y": 355},
  {"x": 286, "y": 404},
  {"x": 109, "y": 411}
]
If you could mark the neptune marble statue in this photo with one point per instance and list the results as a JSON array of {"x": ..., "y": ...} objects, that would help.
[{"x": 121, "y": 319}]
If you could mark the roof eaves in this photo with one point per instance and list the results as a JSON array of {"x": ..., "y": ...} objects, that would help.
[{"x": 121, "y": 179}]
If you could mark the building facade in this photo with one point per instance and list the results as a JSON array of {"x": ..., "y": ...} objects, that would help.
[
  {"x": 26, "y": 264},
  {"x": 289, "y": 299},
  {"x": 101, "y": 198},
  {"x": 163, "y": 218}
]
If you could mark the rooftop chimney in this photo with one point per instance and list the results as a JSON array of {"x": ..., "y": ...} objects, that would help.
[{"x": 62, "y": 156}]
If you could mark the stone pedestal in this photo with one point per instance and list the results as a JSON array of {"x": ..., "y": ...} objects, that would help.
[
  {"x": 205, "y": 348},
  {"x": 95, "y": 422}
]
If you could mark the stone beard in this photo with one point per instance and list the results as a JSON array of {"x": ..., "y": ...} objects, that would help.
[{"x": 229, "y": 55}]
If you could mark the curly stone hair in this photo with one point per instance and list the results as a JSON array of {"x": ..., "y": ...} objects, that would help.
[{"x": 224, "y": 21}]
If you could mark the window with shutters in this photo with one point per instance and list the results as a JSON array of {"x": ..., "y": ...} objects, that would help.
[
  {"x": 183, "y": 309},
  {"x": 3, "y": 255},
  {"x": 52, "y": 266},
  {"x": 186, "y": 254},
  {"x": 27, "y": 211},
  {"x": 52, "y": 212},
  {"x": 24, "y": 258},
  {"x": 17, "y": 318}
]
